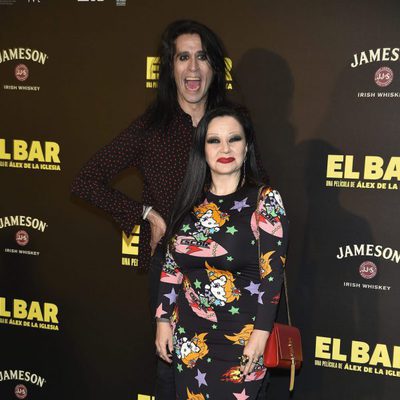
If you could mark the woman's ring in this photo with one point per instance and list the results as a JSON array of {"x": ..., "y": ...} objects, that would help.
[{"x": 244, "y": 359}]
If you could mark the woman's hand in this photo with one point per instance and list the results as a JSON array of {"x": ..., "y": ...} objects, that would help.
[
  {"x": 157, "y": 226},
  {"x": 254, "y": 349},
  {"x": 164, "y": 344}
]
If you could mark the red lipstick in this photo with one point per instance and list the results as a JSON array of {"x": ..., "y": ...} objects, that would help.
[{"x": 226, "y": 160}]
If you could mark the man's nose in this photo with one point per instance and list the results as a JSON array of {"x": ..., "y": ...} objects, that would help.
[{"x": 193, "y": 64}]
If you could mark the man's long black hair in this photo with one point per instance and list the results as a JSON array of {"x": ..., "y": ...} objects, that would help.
[{"x": 162, "y": 110}]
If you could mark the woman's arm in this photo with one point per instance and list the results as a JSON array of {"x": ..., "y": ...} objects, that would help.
[
  {"x": 170, "y": 286},
  {"x": 273, "y": 229}
]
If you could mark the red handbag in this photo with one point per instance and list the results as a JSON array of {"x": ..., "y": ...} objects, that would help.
[{"x": 283, "y": 348}]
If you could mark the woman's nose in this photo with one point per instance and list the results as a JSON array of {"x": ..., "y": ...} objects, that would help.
[{"x": 225, "y": 147}]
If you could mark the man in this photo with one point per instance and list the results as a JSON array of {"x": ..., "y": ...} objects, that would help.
[{"x": 191, "y": 81}]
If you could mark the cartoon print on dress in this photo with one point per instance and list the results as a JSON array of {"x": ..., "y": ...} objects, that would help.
[
  {"x": 274, "y": 205},
  {"x": 233, "y": 374},
  {"x": 243, "y": 336},
  {"x": 174, "y": 318},
  {"x": 199, "y": 243},
  {"x": 269, "y": 212},
  {"x": 199, "y": 303},
  {"x": 265, "y": 264},
  {"x": 192, "y": 247},
  {"x": 170, "y": 272},
  {"x": 210, "y": 220},
  {"x": 222, "y": 286},
  {"x": 220, "y": 291},
  {"x": 193, "y": 396},
  {"x": 190, "y": 350},
  {"x": 275, "y": 299}
]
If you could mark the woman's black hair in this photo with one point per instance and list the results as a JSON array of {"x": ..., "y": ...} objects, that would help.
[
  {"x": 198, "y": 178},
  {"x": 162, "y": 110}
]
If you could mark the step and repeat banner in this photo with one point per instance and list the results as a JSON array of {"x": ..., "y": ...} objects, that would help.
[{"x": 322, "y": 82}]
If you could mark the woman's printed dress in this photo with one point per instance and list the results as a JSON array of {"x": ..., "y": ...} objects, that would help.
[{"x": 215, "y": 291}]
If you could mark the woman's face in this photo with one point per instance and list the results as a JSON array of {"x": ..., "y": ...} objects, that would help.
[{"x": 225, "y": 147}]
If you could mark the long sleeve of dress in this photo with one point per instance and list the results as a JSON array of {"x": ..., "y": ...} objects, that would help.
[
  {"x": 92, "y": 183},
  {"x": 273, "y": 238},
  {"x": 170, "y": 285}
]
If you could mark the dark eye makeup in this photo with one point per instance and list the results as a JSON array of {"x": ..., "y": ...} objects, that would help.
[{"x": 235, "y": 138}]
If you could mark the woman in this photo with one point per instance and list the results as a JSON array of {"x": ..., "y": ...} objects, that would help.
[{"x": 215, "y": 331}]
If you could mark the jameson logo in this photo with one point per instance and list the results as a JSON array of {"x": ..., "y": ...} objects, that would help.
[
  {"x": 20, "y": 375},
  {"x": 376, "y": 55},
  {"x": 21, "y": 220},
  {"x": 370, "y": 250},
  {"x": 21, "y": 53}
]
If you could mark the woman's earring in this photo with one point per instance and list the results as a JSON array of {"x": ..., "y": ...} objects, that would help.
[{"x": 244, "y": 172}]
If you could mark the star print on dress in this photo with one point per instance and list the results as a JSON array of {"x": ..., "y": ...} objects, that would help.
[
  {"x": 160, "y": 312},
  {"x": 172, "y": 295},
  {"x": 234, "y": 310},
  {"x": 222, "y": 298},
  {"x": 185, "y": 228},
  {"x": 231, "y": 229},
  {"x": 239, "y": 205},
  {"x": 253, "y": 287},
  {"x": 241, "y": 396},
  {"x": 201, "y": 378},
  {"x": 197, "y": 284}
]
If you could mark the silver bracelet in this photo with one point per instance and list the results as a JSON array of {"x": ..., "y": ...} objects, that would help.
[{"x": 146, "y": 210}]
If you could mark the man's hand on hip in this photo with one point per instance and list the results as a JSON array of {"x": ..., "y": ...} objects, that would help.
[{"x": 158, "y": 227}]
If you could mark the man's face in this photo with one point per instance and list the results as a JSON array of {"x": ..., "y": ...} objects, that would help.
[{"x": 192, "y": 71}]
